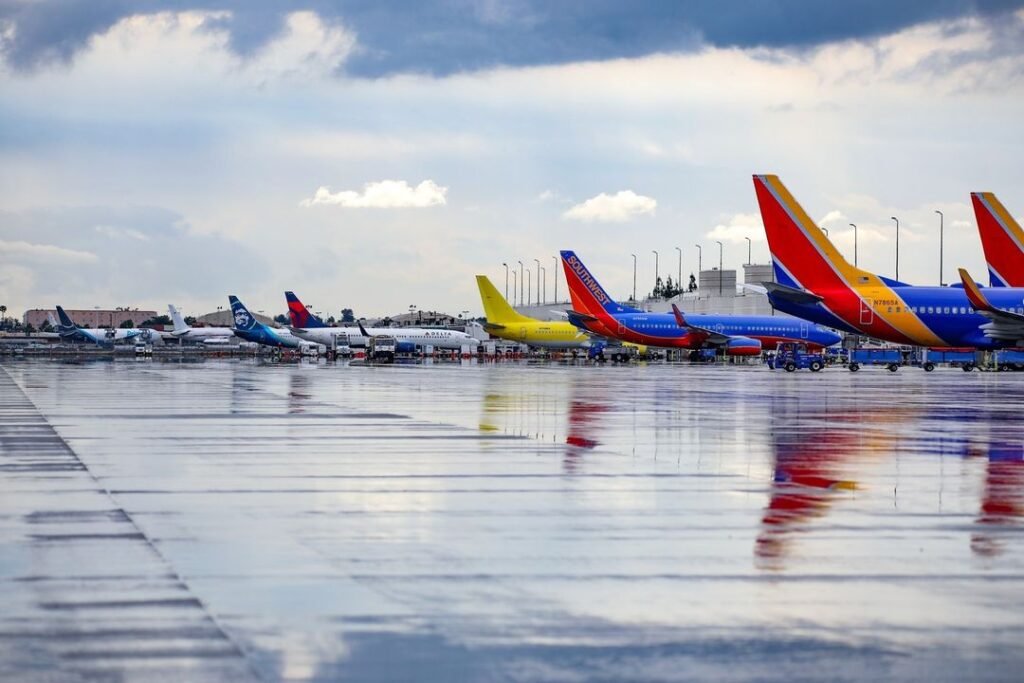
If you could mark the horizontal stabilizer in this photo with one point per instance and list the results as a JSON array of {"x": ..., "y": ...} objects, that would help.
[
  {"x": 791, "y": 294},
  {"x": 981, "y": 303},
  {"x": 585, "y": 317}
]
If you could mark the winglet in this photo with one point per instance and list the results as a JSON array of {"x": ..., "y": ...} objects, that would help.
[
  {"x": 680, "y": 320},
  {"x": 974, "y": 295}
]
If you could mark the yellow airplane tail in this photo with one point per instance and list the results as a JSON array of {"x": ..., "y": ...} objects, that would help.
[{"x": 496, "y": 308}]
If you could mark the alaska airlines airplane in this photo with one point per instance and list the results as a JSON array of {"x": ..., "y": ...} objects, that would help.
[
  {"x": 250, "y": 329},
  {"x": 69, "y": 331},
  {"x": 1002, "y": 240},
  {"x": 816, "y": 283},
  {"x": 505, "y": 323},
  {"x": 308, "y": 326},
  {"x": 206, "y": 335},
  {"x": 740, "y": 335}
]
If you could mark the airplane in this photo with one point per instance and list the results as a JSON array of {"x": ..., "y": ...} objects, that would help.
[
  {"x": 308, "y": 326},
  {"x": 206, "y": 335},
  {"x": 250, "y": 329},
  {"x": 816, "y": 283},
  {"x": 739, "y": 335},
  {"x": 69, "y": 331},
  {"x": 505, "y": 323},
  {"x": 1002, "y": 240}
]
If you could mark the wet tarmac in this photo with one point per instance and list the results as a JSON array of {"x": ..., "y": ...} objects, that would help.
[{"x": 230, "y": 520}]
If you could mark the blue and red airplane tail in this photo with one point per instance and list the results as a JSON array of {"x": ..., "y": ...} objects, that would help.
[
  {"x": 588, "y": 296},
  {"x": 1002, "y": 240},
  {"x": 803, "y": 257},
  {"x": 299, "y": 315}
]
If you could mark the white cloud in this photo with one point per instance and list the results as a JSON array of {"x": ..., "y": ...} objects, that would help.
[
  {"x": 20, "y": 251},
  {"x": 115, "y": 232},
  {"x": 738, "y": 228},
  {"x": 612, "y": 208},
  {"x": 384, "y": 194}
]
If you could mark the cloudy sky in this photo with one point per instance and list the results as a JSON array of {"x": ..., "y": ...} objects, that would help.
[{"x": 378, "y": 155}]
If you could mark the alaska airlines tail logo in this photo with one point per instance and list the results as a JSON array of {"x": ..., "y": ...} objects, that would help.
[{"x": 242, "y": 319}]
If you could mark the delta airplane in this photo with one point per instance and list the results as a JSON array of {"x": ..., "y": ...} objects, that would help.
[
  {"x": 308, "y": 326},
  {"x": 205, "y": 335},
  {"x": 816, "y": 283},
  {"x": 69, "y": 331},
  {"x": 250, "y": 329},
  {"x": 505, "y": 323},
  {"x": 745, "y": 335},
  {"x": 1002, "y": 240}
]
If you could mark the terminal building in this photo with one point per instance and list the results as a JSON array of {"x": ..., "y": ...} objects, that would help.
[{"x": 90, "y": 317}]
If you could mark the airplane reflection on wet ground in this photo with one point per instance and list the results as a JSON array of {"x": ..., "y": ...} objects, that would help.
[{"x": 514, "y": 522}]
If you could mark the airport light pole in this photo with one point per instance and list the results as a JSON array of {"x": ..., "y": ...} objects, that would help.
[
  {"x": 700, "y": 257},
  {"x": 529, "y": 281},
  {"x": 854, "y": 226},
  {"x": 897, "y": 246},
  {"x": 554, "y": 276},
  {"x": 537, "y": 261},
  {"x": 520, "y": 283},
  {"x": 824, "y": 230},
  {"x": 513, "y": 288},
  {"x": 506, "y": 280},
  {"x": 544, "y": 279},
  {"x": 941, "y": 221},
  {"x": 719, "y": 267},
  {"x": 679, "y": 276},
  {"x": 634, "y": 277},
  {"x": 653, "y": 251},
  {"x": 748, "y": 250}
]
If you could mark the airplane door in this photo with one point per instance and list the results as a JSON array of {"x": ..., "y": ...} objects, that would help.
[
  {"x": 622, "y": 328},
  {"x": 522, "y": 333},
  {"x": 803, "y": 330},
  {"x": 867, "y": 311}
]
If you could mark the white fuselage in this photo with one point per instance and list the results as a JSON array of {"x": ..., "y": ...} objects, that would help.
[
  {"x": 203, "y": 333},
  {"x": 351, "y": 336}
]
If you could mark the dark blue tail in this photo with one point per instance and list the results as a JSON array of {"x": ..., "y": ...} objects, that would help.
[{"x": 244, "y": 320}]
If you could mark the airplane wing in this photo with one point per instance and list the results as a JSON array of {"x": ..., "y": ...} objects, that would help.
[
  {"x": 1005, "y": 324},
  {"x": 493, "y": 326},
  {"x": 797, "y": 296},
  {"x": 712, "y": 336}
]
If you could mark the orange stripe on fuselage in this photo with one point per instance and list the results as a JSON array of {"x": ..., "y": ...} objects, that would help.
[{"x": 803, "y": 250}]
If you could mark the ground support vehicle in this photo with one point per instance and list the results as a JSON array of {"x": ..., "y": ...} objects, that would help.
[{"x": 793, "y": 356}]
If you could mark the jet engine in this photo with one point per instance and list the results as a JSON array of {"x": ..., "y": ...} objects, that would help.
[{"x": 742, "y": 346}]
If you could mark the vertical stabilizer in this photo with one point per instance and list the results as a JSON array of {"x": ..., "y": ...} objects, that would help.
[{"x": 1002, "y": 240}]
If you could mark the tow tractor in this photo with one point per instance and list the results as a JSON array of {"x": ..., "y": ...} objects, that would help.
[{"x": 792, "y": 356}]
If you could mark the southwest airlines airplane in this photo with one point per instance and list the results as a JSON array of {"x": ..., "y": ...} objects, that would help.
[
  {"x": 306, "y": 325},
  {"x": 68, "y": 330},
  {"x": 741, "y": 335},
  {"x": 1002, "y": 239},
  {"x": 505, "y": 323},
  {"x": 816, "y": 283},
  {"x": 250, "y": 329}
]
